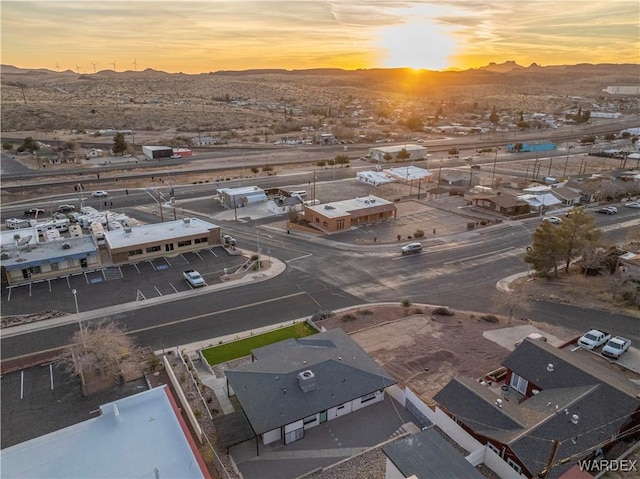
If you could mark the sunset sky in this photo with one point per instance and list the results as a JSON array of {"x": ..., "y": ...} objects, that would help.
[{"x": 203, "y": 36}]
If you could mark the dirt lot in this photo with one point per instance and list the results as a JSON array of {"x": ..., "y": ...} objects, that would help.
[{"x": 426, "y": 350}]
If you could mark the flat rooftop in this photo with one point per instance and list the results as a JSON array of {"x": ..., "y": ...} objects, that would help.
[
  {"x": 344, "y": 207},
  {"x": 168, "y": 230},
  {"x": 20, "y": 257}
]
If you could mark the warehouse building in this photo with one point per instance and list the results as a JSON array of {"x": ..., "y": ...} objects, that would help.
[
  {"x": 157, "y": 152},
  {"x": 416, "y": 152},
  {"x": 240, "y": 197}
]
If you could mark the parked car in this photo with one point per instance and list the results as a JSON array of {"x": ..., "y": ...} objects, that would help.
[
  {"x": 194, "y": 278},
  {"x": 175, "y": 157},
  {"x": 476, "y": 167},
  {"x": 612, "y": 208},
  {"x": 99, "y": 194},
  {"x": 533, "y": 337},
  {"x": 411, "y": 248},
  {"x": 552, "y": 219},
  {"x": 594, "y": 339},
  {"x": 633, "y": 204},
  {"x": 606, "y": 211},
  {"x": 34, "y": 212},
  {"x": 66, "y": 208},
  {"x": 228, "y": 240},
  {"x": 615, "y": 347}
]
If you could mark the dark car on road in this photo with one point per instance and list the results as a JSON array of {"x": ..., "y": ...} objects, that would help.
[
  {"x": 34, "y": 212},
  {"x": 66, "y": 208}
]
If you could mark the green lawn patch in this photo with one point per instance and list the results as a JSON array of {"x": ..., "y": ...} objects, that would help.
[{"x": 237, "y": 349}]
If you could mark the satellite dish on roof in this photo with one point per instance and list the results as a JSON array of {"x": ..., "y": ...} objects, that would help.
[{"x": 25, "y": 240}]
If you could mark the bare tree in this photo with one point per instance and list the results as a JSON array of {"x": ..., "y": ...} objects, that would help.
[
  {"x": 514, "y": 302},
  {"x": 105, "y": 349}
]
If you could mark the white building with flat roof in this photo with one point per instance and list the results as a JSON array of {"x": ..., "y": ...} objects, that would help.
[
  {"x": 416, "y": 152},
  {"x": 409, "y": 174},
  {"x": 242, "y": 196},
  {"x": 142, "y": 435},
  {"x": 375, "y": 178},
  {"x": 138, "y": 243}
]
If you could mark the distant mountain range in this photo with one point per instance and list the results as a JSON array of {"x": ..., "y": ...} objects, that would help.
[{"x": 506, "y": 67}]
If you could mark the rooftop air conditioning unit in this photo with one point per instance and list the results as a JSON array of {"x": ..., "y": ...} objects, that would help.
[
  {"x": 127, "y": 229},
  {"x": 66, "y": 246},
  {"x": 186, "y": 220}
]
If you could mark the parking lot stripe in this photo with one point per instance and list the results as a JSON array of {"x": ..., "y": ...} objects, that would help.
[
  {"x": 211, "y": 251},
  {"x": 156, "y": 288},
  {"x": 51, "y": 375},
  {"x": 22, "y": 384},
  {"x": 174, "y": 288}
]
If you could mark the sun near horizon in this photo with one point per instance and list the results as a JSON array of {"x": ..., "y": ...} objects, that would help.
[{"x": 198, "y": 37}]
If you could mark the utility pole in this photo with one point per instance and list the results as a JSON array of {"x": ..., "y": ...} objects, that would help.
[
  {"x": 439, "y": 171},
  {"x": 554, "y": 449},
  {"x": 495, "y": 160}
]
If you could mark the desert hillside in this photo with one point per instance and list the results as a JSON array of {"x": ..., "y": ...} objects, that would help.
[{"x": 261, "y": 101}]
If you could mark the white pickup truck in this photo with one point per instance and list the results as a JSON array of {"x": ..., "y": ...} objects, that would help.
[
  {"x": 194, "y": 278},
  {"x": 593, "y": 339},
  {"x": 615, "y": 347}
]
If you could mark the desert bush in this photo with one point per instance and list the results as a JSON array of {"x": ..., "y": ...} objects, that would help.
[
  {"x": 322, "y": 314},
  {"x": 442, "y": 311},
  {"x": 418, "y": 311},
  {"x": 489, "y": 318},
  {"x": 418, "y": 234},
  {"x": 365, "y": 312},
  {"x": 348, "y": 317}
]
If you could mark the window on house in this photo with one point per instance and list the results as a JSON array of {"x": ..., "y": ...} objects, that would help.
[
  {"x": 35, "y": 270},
  {"x": 518, "y": 383},
  {"x": 168, "y": 247},
  {"x": 55, "y": 266},
  {"x": 134, "y": 252},
  {"x": 317, "y": 220},
  {"x": 201, "y": 240},
  {"x": 517, "y": 468},
  {"x": 493, "y": 448},
  {"x": 325, "y": 224},
  {"x": 367, "y": 397},
  {"x": 152, "y": 249},
  {"x": 310, "y": 419},
  {"x": 184, "y": 243},
  {"x": 340, "y": 224}
]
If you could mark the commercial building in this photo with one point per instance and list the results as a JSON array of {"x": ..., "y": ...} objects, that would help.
[
  {"x": 25, "y": 259},
  {"x": 374, "y": 178},
  {"x": 345, "y": 214},
  {"x": 157, "y": 152},
  {"x": 531, "y": 147},
  {"x": 409, "y": 174},
  {"x": 142, "y": 435},
  {"x": 137, "y": 243},
  {"x": 416, "y": 152},
  {"x": 242, "y": 196}
]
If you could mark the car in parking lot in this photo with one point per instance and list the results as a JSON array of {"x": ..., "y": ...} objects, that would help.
[
  {"x": 34, "y": 212},
  {"x": 411, "y": 248},
  {"x": 228, "y": 240},
  {"x": 553, "y": 220},
  {"x": 66, "y": 208},
  {"x": 476, "y": 167},
  {"x": 175, "y": 157},
  {"x": 633, "y": 204},
  {"x": 607, "y": 210},
  {"x": 99, "y": 194}
]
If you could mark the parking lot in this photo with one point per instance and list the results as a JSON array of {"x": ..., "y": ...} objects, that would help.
[
  {"x": 43, "y": 399},
  {"x": 118, "y": 284}
]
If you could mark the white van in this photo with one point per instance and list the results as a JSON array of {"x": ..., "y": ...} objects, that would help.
[{"x": 300, "y": 193}]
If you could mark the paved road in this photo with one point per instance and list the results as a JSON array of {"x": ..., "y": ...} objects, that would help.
[{"x": 459, "y": 271}]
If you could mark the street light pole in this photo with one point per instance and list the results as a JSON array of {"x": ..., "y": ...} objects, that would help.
[
  {"x": 75, "y": 301},
  {"x": 258, "y": 241}
]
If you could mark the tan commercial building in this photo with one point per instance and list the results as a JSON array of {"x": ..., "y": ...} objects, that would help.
[
  {"x": 343, "y": 215},
  {"x": 171, "y": 238}
]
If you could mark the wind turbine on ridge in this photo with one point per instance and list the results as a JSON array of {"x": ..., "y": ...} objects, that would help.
[
  {"x": 135, "y": 65},
  {"x": 94, "y": 66},
  {"x": 114, "y": 65},
  {"x": 77, "y": 69},
  {"x": 57, "y": 67}
]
